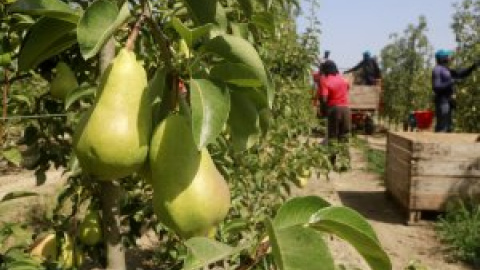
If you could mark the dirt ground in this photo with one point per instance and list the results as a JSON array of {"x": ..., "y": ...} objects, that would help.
[
  {"x": 358, "y": 189},
  {"x": 364, "y": 192}
]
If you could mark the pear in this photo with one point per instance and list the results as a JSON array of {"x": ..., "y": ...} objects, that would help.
[
  {"x": 90, "y": 230},
  {"x": 190, "y": 196},
  {"x": 64, "y": 81},
  {"x": 112, "y": 140},
  {"x": 46, "y": 248}
]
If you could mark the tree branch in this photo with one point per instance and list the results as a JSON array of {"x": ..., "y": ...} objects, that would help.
[
  {"x": 16, "y": 78},
  {"x": 160, "y": 38}
]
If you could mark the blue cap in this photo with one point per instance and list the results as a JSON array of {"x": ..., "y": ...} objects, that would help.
[{"x": 443, "y": 53}]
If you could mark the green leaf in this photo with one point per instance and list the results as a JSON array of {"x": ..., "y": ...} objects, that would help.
[
  {"x": 98, "y": 24},
  {"x": 79, "y": 93},
  {"x": 202, "y": 12},
  {"x": 299, "y": 248},
  {"x": 21, "y": 22},
  {"x": 244, "y": 120},
  {"x": 204, "y": 251},
  {"x": 12, "y": 155},
  {"x": 22, "y": 98},
  {"x": 265, "y": 120},
  {"x": 353, "y": 228},
  {"x": 190, "y": 35},
  {"x": 210, "y": 109},
  {"x": 298, "y": 211},
  {"x": 17, "y": 195},
  {"x": 46, "y": 38},
  {"x": 237, "y": 74},
  {"x": 265, "y": 20},
  {"x": 48, "y": 8},
  {"x": 238, "y": 50}
]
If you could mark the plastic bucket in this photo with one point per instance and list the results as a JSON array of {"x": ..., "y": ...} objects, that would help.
[{"x": 424, "y": 119}]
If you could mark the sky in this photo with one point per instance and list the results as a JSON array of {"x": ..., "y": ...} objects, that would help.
[{"x": 350, "y": 27}]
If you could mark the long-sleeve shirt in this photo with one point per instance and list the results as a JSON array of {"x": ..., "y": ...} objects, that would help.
[{"x": 443, "y": 79}]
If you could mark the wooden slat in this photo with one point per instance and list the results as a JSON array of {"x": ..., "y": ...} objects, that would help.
[
  {"x": 398, "y": 181},
  {"x": 444, "y": 185},
  {"x": 446, "y": 168},
  {"x": 446, "y": 151}
]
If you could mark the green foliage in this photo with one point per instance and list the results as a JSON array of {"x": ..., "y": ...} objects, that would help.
[
  {"x": 97, "y": 24},
  {"x": 406, "y": 68},
  {"x": 460, "y": 230},
  {"x": 466, "y": 26}
]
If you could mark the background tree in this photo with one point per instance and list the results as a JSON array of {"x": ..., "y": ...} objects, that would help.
[
  {"x": 406, "y": 66},
  {"x": 466, "y": 26}
]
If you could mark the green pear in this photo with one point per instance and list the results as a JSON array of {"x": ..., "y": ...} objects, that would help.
[
  {"x": 90, "y": 230},
  {"x": 190, "y": 196},
  {"x": 64, "y": 82},
  {"x": 46, "y": 248},
  {"x": 112, "y": 140}
]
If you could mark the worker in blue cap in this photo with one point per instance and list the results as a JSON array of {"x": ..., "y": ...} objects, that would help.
[
  {"x": 369, "y": 71},
  {"x": 443, "y": 84}
]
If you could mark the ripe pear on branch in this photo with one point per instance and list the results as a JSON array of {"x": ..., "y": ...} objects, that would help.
[
  {"x": 190, "y": 196},
  {"x": 112, "y": 140},
  {"x": 90, "y": 230},
  {"x": 64, "y": 81}
]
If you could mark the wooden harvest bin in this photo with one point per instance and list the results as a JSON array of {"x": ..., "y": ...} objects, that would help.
[{"x": 425, "y": 170}]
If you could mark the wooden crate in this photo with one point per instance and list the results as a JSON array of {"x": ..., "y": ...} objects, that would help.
[
  {"x": 363, "y": 97},
  {"x": 425, "y": 170}
]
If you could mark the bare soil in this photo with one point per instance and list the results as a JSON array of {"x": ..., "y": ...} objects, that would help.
[{"x": 364, "y": 191}]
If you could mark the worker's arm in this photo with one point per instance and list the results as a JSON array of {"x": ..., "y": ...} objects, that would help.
[
  {"x": 463, "y": 72},
  {"x": 355, "y": 68}
]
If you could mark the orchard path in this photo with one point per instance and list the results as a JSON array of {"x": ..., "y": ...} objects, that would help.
[{"x": 364, "y": 192}]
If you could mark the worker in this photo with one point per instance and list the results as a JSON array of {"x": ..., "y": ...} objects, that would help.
[
  {"x": 334, "y": 102},
  {"x": 443, "y": 84},
  {"x": 317, "y": 77},
  {"x": 369, "y": 71}
]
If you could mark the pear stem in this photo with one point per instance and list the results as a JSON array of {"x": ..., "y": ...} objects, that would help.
[{"x": 130, "y": 45}]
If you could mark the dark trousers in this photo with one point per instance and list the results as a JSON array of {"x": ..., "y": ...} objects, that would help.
[
  {"x": 443, "y": 115},
  {"x": 339, "y": 123}
]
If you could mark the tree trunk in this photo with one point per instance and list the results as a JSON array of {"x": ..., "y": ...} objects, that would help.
[
  {"x": 110, "y": 200},
  {"x": 111, "y": 194}
]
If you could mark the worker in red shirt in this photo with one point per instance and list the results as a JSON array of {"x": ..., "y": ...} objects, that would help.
[{"x": 334, "y": 102}]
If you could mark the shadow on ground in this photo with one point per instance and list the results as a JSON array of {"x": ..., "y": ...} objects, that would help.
[{"x": 374, "y": 205}]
